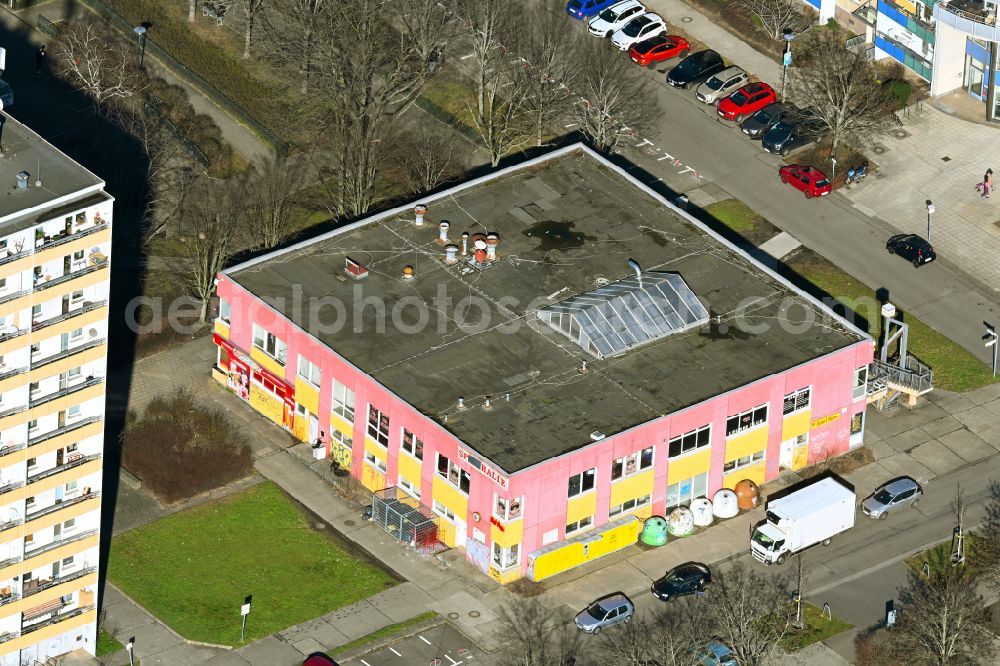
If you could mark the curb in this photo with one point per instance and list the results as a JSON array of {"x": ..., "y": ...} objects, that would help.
[
  {"x": 164, "y": 624},
  {"x": 390, "y": 640}
]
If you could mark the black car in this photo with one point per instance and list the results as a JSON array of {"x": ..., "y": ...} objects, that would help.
[
  {"x": 695, "y": 68},
  {"x": 911, "y": 247},
  {"x": 792, "y": 132},
  {"x": 757, "y": 125},
  {"x": 682, "y": 580}
]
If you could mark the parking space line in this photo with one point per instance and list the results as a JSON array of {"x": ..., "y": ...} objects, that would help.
[
  {"x": 394, "y": 652},
  {"x": 424, "y": 639},
  {"x": 365, "y": 663},
  {"x": 453, "y": 662}
]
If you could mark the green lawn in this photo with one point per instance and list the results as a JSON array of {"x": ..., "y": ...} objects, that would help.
[
  {"x": 817, "y": 628},
  {"x": 736, "y": 215},
  {"x": 383, "y": 632},
  {"x": 938, "y": 557},
  {"x": 106, "y": 644},
  {"x": 955, "y": 369},
  {"x": 194, "y": 568}
]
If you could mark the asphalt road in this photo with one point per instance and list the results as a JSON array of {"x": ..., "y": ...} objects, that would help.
[{"x": 442, "y": 645}]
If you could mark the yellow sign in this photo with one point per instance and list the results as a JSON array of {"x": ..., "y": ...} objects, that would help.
[{"x": 826, "y": 419}]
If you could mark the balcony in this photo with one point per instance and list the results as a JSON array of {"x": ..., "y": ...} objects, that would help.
[
  {"x": 6, "y": 450},
  {"x": 41, "y": 550},
  {"x": 10, "y": 524},
  {"x": 88, "y": 306},
  {"x": 12, "y": 372},
  {"x": 13, "y": 256},
  {"x": 70, "y": 427},
  {"x": 68, "y": 465},
  {"x": 55, "y": 619},
  {"x": 970, "y": 17},
  {"x": 40, "y": 585},
  {"x": 72, "y": 275},
  {"x": 13, "y": 485},
  {"x": 11, "y": 411},
  {"x": 69, "y": 390},
  {"x": 65, "y": 504},
  {"x": 72, "y": 351},
  {"x": 9, "y": 636},
  {"x": 62, "y": 239},
  {"x": 13, "y": 296},
  {"x": 8, "y": 596}
]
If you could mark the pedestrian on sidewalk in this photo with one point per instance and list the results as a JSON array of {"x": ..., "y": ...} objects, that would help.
[
  {"x": 987, "y": 183},
  {"x": 39, "y": 59}
]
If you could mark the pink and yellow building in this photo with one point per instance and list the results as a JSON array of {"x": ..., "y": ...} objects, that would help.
[{"x": 546, "y": 357}]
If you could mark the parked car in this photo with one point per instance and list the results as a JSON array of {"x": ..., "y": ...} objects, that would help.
[
  {"x": 891, "y": 496},
  {"x": 614, "y": 17},
  {"x": 581, "y": 9},
  {"x": 810, "y": 180},
  {"x": 696, "y": 67},
  {"x": 757, "y": 125},
  {"x": 721, "y": 84},
  {"x": 716, "y": 654},
  {"x": 659, "y": 48},
  {"x": 746, "y": 101},
  {"x": 606, "y": 611},
  {"x": 319, "y": 659},
  {"x": 911, "y": 247},
  {"x": 793, "y": 131},
  {"x": 638, "y": 29},
  {"x": 681, "y": 581}
]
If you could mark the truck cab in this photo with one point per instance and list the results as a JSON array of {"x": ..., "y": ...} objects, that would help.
[{"x": 768, "y": 544}]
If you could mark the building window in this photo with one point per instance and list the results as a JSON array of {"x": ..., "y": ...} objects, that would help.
[
  {"x": 409, "y": 487},
  {"x": 857, "y": 423},
  {"x": 505, "y": 558},
  {"x": 454, "y": 474},
  {"x": 690, "y": 441},
  {"x": 36, "y": 310},
  {"x": 32, "y": 425},
  {"x": 740, "y": 463},
  {"x": 746, "y": 420},
  {"x": 270, "y": 344},
  {"x": 630, "y": 464},
  {"x": 309, "y": 371},
  {"x": 860, "y": 382},
  {"x": 224, "y": 310},
  {"x": 68, "y": 561},
  {"x": 343, "y": 401},
  {"x": 581, "y": 524},
  {"x": 32, "y": 462},
  {"x": 795, "y": 401},
  {"x": 443, "y": 511},
  {"x": 76, "y": 333},
  {"x": 629, "y": 505},
  {"x": 77, "y": 296},
  {"x": 507, "y": 508},
  {"x": 71, "y": 487},
  {"x": 375, "y": 461},
  {"x": 378, "y": 426},
  {"x": 73, "y": 411},
  {"x": 581, "y": 483},
  {"x": 412, "y": 445},
  {"x": 29, "y": 502},
  {"x": 685, "y": 491},
  {"x": 69, "y": 525},
  {"x": 78, "y": 255}
]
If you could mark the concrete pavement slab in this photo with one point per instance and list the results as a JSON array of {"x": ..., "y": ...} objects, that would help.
[
  {"x": 868, "y": 478},
  {"x": 967, "y": 445},
  {"x": 908, "y": 440},
  {"x": 781, "y": 245},
  {"x": 993, "y": 406},
  {"x": 902, "y": 464},
  {"x": 184, "y": 654},
  {"x": 307, "y": 646},
  {"x": 986, "y": 394},
  {"x": 229, "y": 659},
  {"x": 953, "y": 403},
  {"x": 843, "y": 644},
  {"x": 270, "y": 652},
  {"x": 318, "y": 630},
  {"x": 357, "y": 620},
  {"x": 155, "y": 638},
  {"x": 983, "y": 423},
  {"x": 401, "y": 602},
  {"x": 942, "y": 426},
  {"x": 900, "y": 420},
  {"x": 937, "y": 457},
  {"x": 130, "y": 617}
]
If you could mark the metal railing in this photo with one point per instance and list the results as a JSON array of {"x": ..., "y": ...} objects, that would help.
[
  {"x": 913, "y": 377},
  {"x": 14, "y": 295},
  {"x": 61, "y": 505},
  {"x": 83, "y": 460},
  {"x": 14, "y": 256},
  {"x": 41, "y": 550},
  {"x": 96, "y": 305},
  {"x": 60, "y": 580},
  {"x": 60, "y": 240},
  {"x": 60, "y": 431},
  {"x": 69, "y": 390},
  {"x": 66, "y": 353},
  {"x": 983, "y": 17},
  {"x": 56, "y": 619},
  {"x": 72, "y": 275},
  {"x": 13, "y": 485}
]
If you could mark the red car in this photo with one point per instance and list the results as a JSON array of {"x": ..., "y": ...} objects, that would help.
[
  {"x": 746, "y": 101},
  {"x": 318, "y": 659},
  {"x": 810, "y": 180},
  {"x": 659, "y": 48}
]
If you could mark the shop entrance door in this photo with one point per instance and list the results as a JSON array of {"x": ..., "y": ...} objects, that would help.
[
  {"x": 976, "y": 76},
  {"x": 460, "y": 529}
]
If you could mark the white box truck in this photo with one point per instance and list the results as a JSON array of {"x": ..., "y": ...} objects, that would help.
[{"x": 808, "y": 516}]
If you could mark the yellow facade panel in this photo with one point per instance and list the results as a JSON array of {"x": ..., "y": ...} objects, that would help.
[
  {"x": 576, "y": 552},
  {"x": 377, "y": 450},
  {"x": 17, "y": 266},
  {"x": 59, "y": 251},
  {"x": 343, "y": 425},
  {"x": 447, "y": 494},
  {"x": 55, "y": 368},
  {"x": 307, "y": 395},
  {"x": 754, "y": 472},
  {"x": 743, "y": 445},
  {"x": 14, "y": 382},
  {"x": 267, "y": 404},
  {"x": 409, "y": 467},
  {"x": 371, "y": 478},
  {"x": 54, "y": 630},
  {"x": 800, "y": 457},
  {"x": 637, "y": 485},
  {"x": 219, "y": 376},
  {"x": 795, "y": 425},
  {"x": 56, "y": 591},
  {"x": 267, "y": 362},
  {"x": 690, "y": 465},
  {"x": 446, "y": 533},
  {"x": 54, "y": 555},
  {"x": 580, "y": 507},
  {"x": 509, "y": 534},
  {"x": 18, "y": 304},
  {"x": 221, "y": 328}
]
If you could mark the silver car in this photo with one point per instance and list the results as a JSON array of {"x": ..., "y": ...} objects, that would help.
[
  {"x": 890, "y": 496},
  {"x": 604, "y": 612},
  {"x": 721, "y": 84}
]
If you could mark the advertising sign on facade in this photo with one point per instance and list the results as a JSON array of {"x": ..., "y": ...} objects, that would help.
[{"x": 487, "y": 471}]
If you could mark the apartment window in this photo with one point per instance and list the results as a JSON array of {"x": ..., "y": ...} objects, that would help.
[
  {"x": 795, "y": 401},
  {"x": 36, "y": 310},
  {"x": 32, "y": 388},
  {"x": 29, "y": 502},
  {"x": 375, "y": 461},
  {"x": 68, "y": 561},
  {"x": 76, "y": 296},
  {"x": 78, "y": 255},
  {"x": 35, "y": 348},
  {"x": 505, "y": 558},
  {"x": 32, "y": 462},
  {"x": 581, "y": 524},
  {"x": 71, "y": 487},
  {"x": 270, "y": 344},
  {"x": 378, "y": 426},
  {"x": 860, "y": 382},
  {"x": 442, "y": 510},
  {"x": 507, "y": 508},
  {"x": 76, "y": 333},
  {"x": 69, "y": 525},
  {"x": 740, "y": 463},
  {"x": 309, "y": 371},
  {"x": 72, "y": 447},
  {"x": 455, "y": 475},
  {"x": 632, "y": 463},
  {"x": 3, "y": 283},
  {"x": 224, "y": 310},
  {"x": 412, "y": 445},
  {"x": 73, "y": 411},
  {"x": 343, "y": 401},
  {"x": 690, "y": 441},
  {"x": 409, "y": 487},
  {"x": 32, "y": 424},
  {"x": 687, "y": 490},
  {"x": 581, "y": 483},
  {"x": 629, "y": 505},
  {"x": 746, "y": 420}
]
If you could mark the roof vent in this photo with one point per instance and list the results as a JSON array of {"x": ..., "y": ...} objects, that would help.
[
  {"x": 597, "y": 435},
  {"x": 355, "y": 270},
  {"x": 22, "y": 180},
  {"x": 408, "y": 272},
  {"x": 418, "y": 214}
]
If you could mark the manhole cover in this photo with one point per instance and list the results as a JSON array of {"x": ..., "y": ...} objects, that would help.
[
  {"x": 321, "y": 526},
  {"x": 452, "y": 616},
  {"x": 879, "y": 149},
  {"x": 946, "y": 159},
  {"x": 473, "y": 613},
  {"x": 900, "y": 134},
  {"x": 686, "y": 19},
  {"x": 349, "y": 523}
]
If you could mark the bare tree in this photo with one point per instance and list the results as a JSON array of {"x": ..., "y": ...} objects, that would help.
[
  {"x": 430, "y": 26},
  {"x": 250, "y": 10},
  {"x": 673, "y": 638},
  {"x": 535, "y": 635},
  {"x": 550, "y": 74},
  {"x": 776, "y": 16},
  {"x": 292, "y": 30},
  {"x": 944, "y": 618},
  {"x": 747, "y": 610},
  {"x": 210, "y": 224},
  {"x": 99, "y": 62},
  {"x": 984, "y": 551},
  {"x": 487, "y": 25},
  {"x": 503, "y": 121},
  {"x": 427, "y": 155},
  {"x": 192, "y": 6},
  {"x": 842, "y": 90},
  {"x": 271, "y": 194},
  {"x": 618, "y": 104}
]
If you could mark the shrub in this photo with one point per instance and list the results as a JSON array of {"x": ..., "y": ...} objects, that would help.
[
  {"x": 900, "y": 91},
  {"x": 179, "y": 448}
]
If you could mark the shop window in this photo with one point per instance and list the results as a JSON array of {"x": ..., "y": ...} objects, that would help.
[
  {"x": 746, "y": 420},
  {"x": 690, "y": 441},
  {"x": 506, "y": 508},
  {"x": 505, "y": 558},
  {"x": 740, "y": 463},
  {"x": 375, "y": 462},
  {"x": 225, "y": 310},
  {"x": 412, "y": 445},
  {"x": 343, "y": 401},
  {"x": 454, "y": 474},
  {"x": 270, "y": 344},
  {"x": 378, "y": 426},
  {"x": 581, "y": 483},
  {"x": 579, "y": 525},
  {"x": 685, "y": 491},
  {"x": 409, "y": 487},
  {"x": 795, "y": 401},
  {"x": 629, "y": 505},
  {"x": 309, "y": 371},
  {"x": 630, "y": 464}
]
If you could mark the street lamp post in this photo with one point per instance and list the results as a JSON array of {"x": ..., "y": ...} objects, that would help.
[
  {"x": 930, "y": 211},
  {"x": 140, "y": 32},
  {"x": 129, "y": 646},
  {"x": 786, "y": 59},
  {"x": 991, "y": 341}
]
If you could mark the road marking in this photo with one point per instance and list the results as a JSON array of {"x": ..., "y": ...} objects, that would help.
[
  {"x": 665, "y": 157},
  {"x": 423, "y": 639},
  {"x": 394, "y": 652},
  {"x": 453, "y": 662},
  {"x": 365, "y": 663},
  {"x": 645, "y": 142}
]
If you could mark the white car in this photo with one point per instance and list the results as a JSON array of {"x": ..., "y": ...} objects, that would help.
[
  {"x": 614, "y": 17},
  {"x": 640, "y": 28},
  {"x": 720, "y": 85}
]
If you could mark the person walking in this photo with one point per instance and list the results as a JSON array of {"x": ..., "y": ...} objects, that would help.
[
  {"x": 39, "y": 59},
  {"x": 987, "y": 183}
]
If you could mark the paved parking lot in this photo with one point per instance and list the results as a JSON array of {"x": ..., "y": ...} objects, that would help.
[{"x": 442, "y": 645}]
